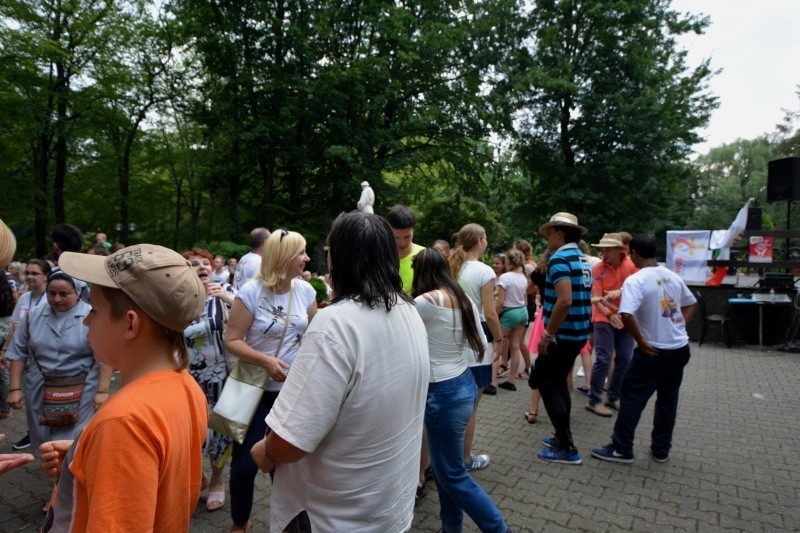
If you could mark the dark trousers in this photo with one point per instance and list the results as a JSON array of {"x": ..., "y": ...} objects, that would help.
[
  {"x": 646, "y": 375},
  {"x": 243, "y": 468},
  {"x": 550, "y": 377}
]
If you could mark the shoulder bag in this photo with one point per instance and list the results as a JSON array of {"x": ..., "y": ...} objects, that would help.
[{"x": 242, "y": 392}]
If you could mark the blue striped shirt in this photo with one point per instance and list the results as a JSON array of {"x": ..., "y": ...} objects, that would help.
[{"x": 569, "y": 263}]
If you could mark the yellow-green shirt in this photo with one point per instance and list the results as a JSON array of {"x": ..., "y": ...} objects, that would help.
[{"x": 406, "y": 272}]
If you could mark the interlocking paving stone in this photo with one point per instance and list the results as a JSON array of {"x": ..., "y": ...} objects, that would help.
[{"x": 734, "y": 465}]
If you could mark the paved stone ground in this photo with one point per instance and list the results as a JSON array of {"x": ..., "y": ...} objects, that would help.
[{"x": 734, "y": 465}]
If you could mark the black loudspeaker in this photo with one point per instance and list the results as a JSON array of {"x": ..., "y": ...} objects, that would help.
[
  {"x": 783, "y": 180},
  {"x": 753, "y": 218}
]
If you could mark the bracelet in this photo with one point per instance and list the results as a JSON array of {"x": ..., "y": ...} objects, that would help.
[
  {"x": 101, "y": 392},
  {"x": 549, "y": 337},
  {"x": 13, "y": 390},
  {"x": 266, "y": 454}
]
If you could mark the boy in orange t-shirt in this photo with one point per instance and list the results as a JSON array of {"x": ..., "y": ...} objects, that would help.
[{"x": 137, "y": 465}]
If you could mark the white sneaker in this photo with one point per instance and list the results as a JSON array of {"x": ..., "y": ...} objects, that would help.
[{"x": 580, "y": 372}]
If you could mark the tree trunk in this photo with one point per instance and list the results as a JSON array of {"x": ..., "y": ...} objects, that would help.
[
  {"x": 565, "y": 140},
  {"x": 60, "y": 177},
  {"x": 41, "y": 159}
]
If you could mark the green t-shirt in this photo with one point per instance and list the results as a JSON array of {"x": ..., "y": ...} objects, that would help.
[{"x": 406, "y": 272}]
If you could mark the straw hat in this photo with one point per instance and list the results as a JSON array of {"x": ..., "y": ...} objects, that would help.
[
  {"x": 562, "y": 220},
  {"x": 610, "y": 240}
]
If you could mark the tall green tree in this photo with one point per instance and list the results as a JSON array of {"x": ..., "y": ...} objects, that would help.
[
  {"x": 725, "y": 178},
  {"x": 304, "y": 100},
  {"x": 608, "y": 109},
  {"x": 48, "y": 50}
]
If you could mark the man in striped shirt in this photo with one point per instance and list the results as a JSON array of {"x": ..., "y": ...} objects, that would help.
[{"x": 567, "y": 310}]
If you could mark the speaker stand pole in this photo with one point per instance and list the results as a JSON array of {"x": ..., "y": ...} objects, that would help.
[{"x": 788, "y": 227}]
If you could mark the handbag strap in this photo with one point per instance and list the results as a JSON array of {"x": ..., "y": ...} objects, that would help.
[{"x": 288, "y": 315}]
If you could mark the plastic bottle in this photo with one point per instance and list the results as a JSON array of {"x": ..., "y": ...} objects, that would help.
[{"x": 772, "y": 296}]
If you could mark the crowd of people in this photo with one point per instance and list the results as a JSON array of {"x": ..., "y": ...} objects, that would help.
[{"x": 365, "y": 400}]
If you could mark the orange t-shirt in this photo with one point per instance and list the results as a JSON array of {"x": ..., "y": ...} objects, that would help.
[
  {"x": 137, "y": 465},
  {"x": 608, "y": 278}
]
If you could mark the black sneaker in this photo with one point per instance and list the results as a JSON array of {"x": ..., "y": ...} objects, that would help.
[
  {"x": 660, "y": 457},
  {"x": 24, "y": 442},
  {"x": 508, "y": 386},
  {"x": 490, "y": 389},
  {"x": 610, "y": 453}
]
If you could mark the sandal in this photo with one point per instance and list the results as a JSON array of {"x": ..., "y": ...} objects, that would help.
[
  {"x": 215, "y": 500},
  {"x": 503, "y": 370},
  {"x": 531, "y": 417}
]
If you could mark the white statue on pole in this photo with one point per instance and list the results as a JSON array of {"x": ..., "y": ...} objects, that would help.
[{"x": 367, "y": 198}]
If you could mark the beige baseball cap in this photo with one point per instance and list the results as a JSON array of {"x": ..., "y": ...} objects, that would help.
[{"x": 159, "y": 280}]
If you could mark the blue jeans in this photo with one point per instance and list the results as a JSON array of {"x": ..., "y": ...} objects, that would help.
[
  {"x": 243, "y": 468},
  {"x": 607, "y": 339},
  {"x": 646, "y": 375},
  {"x": 448, "y": 409}
]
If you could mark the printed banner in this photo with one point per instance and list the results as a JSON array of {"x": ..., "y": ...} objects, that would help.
[
  {"x": 688, "y": 254},
  {"x": 761, "y": 249}
]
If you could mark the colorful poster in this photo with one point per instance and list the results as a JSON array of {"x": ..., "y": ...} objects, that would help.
[
  {"x": 688, "y": 254},
  {"x": 761, "y": 249}
]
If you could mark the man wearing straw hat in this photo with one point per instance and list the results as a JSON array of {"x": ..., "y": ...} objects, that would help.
[
  {"x": 608, "y": 276},
  {"x": 567, "y": 309}
]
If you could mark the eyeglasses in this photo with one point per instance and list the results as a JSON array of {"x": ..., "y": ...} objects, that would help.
[{"x": 29, "y": 273}]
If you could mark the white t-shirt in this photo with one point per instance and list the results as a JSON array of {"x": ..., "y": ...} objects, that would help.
[
  {"x": 354, "y": 401},
  {"x": 269, "y": 319},
  {"x": 516, "y": 286},
  {"x": 246, "y": 269},
  {"x": 220, "y": 277},
  {"x": 447, "y": 345},
  {"x": 473, "y": 276},
  {"x": 654, "y": 296}
]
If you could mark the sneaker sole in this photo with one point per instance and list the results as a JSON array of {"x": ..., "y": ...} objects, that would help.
[
  {"x": 562, "y": 461},
  {"x": 612, "y": 459}
]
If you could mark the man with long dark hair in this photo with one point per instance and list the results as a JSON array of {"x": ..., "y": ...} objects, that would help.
[{"x": 346, "y": 428}]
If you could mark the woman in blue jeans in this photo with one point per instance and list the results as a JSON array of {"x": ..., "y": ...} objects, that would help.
[{"x": 451, "y": 320}]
